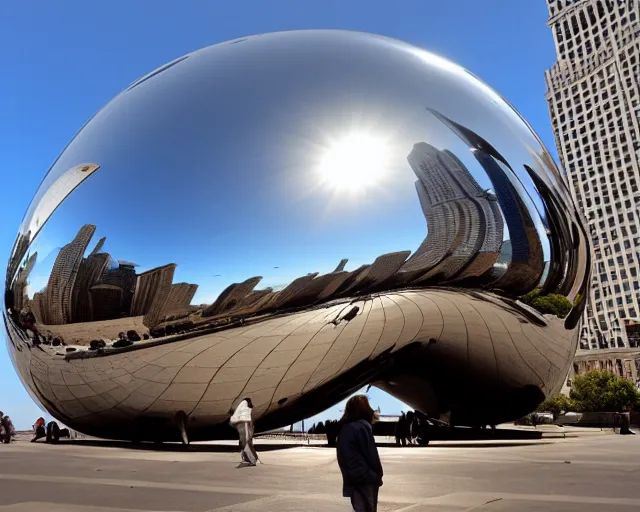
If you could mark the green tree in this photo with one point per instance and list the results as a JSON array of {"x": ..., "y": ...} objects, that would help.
[
  {"x": 531, "y": 296},
  {"x": 552, "y": 304},
  {"x": 602, "y": 391},
  {"x": 557, "y": 404}
]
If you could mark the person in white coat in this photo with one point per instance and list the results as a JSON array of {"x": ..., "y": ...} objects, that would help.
[{"x": 241, "y": 420}]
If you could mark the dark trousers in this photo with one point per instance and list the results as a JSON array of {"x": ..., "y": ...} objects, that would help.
[
  {"x": 53, "y": 432},
  {"x": 365, "y": 498}
]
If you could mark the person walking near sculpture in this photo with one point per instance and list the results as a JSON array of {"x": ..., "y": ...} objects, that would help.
[
  {"x": 402, "y": 430},
  {"x": 242, "y": 421},
  {"x": 414, "y": 427},
  {"x": 411, "y": 427},
  {"x": 358, "y": 455}
]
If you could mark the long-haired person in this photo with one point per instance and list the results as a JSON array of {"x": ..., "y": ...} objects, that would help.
[
  {"x": 243, "y": 423},
  {"x": 358, "y": 456}
]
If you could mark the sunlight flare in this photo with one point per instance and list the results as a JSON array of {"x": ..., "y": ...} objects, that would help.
[{"x": 354, "y": 163}]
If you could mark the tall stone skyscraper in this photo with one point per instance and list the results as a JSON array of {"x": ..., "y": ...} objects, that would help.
[
  {"x": 152, "y": 292},
  {"x": 89, "y": 273},
  {"x": 465, "y": 226},
  {"x": 19, "y": 286},
  {"x": 593, "y": 92},
  {"x": 59, "y": 295}
]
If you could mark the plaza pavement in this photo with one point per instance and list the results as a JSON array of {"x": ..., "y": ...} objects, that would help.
[{"x": 590, "y": 471}]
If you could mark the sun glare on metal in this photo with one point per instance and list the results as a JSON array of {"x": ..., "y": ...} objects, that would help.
[{"x": 354, "y": 162}]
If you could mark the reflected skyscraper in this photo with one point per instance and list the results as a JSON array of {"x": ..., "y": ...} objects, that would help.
[
  {"x": 124, "y": 277},
  {"x": 19, "y": 286},
  {"x": 375, "y": 275},
  {"x": 63, "y": 278},
  {"x": 180, "y": 298},
  {"x": 316, "y": 288},
  {"x": 152, "y": 293},
  {"x": 20, "y": 248},
  {"x": 341, "y": 265},
  {"x": 527, "y": 262},
  {"x": 89, "y": 274},
  {"x": 106, "y": 302},
  {"x": 99, "y": 246},
  {"x": 38, "y": 306},
  {"x": 288, "y": 293},
  {"x": 254, "y": 301},
  {"x": 330, "y": 291},
  {"x": 464, "y": 222},
  {"x": 232, "y": 296}
]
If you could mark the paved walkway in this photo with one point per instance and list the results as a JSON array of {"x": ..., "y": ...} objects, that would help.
[{"x": 588, "y": 473}]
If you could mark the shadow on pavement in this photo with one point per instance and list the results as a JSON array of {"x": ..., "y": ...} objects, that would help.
[
  {"x": 478, "y": 444},
  {"x": 228, "y": 448},
  {"x": 172, "y": 447}
]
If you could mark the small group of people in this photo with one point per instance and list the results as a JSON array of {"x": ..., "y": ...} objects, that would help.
[
  {"x": 127, "y": 339},
  {"x": 7, "y": 430},
  {"x": 25, "y": 320},
  {"x": 407, "y": 429},
  {"x": 357, "y": 453},
  {"x": 50, "y": 431}
]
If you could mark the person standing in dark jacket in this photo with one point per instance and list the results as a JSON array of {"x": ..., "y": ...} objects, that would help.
[
  {"x": 402, "y": 430},
  {"x": 358, "y": 456}
]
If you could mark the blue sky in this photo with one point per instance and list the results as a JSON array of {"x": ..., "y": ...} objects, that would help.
[{"x": 63, "y": 63}]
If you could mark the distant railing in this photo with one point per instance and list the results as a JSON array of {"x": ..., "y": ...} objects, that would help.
[{"x": 292, "y": 436}]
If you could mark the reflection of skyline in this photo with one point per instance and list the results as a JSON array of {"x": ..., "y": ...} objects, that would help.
[
  {"x": 465, "y": 230},
  {"x": 88, "y": 289},
  {"x": 208, "y": 290},
  {"x": 466, "y": 225}
]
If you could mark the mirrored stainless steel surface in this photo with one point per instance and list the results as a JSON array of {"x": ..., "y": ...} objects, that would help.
[{"x": 290, "y": 217}]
